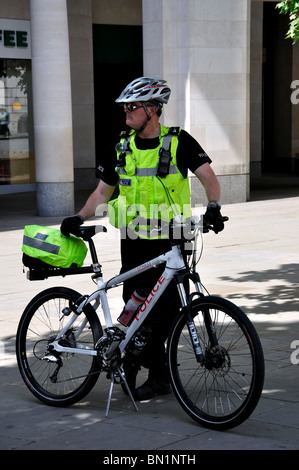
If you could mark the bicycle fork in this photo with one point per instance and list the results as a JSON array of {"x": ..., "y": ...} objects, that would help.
[{"x": 186, "y": 302}]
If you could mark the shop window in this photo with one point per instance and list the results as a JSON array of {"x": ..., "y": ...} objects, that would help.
[{"x": 16, "y": 123}]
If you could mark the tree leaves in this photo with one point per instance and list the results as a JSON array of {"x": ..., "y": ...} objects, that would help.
[{"x": 291, "y": 8}]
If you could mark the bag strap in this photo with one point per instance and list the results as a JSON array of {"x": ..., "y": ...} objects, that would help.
[{"x": 165, "y": 153}]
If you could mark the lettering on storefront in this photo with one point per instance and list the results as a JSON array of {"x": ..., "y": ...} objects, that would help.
[{"x": 14, "y": 38}]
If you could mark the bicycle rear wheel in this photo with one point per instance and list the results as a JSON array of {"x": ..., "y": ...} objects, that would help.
[
  {"x": 224, "y": 391},
  {"x": 57, "y": 379}
]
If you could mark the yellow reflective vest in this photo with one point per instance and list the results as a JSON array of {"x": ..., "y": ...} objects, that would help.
[{"x": 147, "y": 196}]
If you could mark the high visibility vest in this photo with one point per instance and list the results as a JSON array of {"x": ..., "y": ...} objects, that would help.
[{"x": 151, "y": 187}]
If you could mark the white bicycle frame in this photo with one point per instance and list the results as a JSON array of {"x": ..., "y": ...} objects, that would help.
[{"x": 174, "y": 263}]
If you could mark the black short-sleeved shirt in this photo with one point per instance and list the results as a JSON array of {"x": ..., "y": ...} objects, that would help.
[{"x": 190, "y": 155}]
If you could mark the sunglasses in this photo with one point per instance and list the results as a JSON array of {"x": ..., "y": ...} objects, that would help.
[{"x": 131, "y": 107}]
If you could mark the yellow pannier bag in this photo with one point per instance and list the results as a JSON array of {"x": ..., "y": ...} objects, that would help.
[{"x": 51, "y": 247}]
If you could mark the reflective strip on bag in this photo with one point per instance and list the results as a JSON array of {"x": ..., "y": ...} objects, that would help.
[{"x": 41, "y": 245}]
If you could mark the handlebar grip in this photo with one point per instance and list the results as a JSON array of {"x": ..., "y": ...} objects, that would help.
[
  {"x": 88, "y": 231},
  {"x": 207, "y": 227},
  {"x": 100, "y": 228}
]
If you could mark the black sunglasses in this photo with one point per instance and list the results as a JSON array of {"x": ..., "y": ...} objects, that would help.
[{"x": 131, "y": 107}]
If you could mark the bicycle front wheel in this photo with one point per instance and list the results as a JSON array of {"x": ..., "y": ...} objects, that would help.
[
  {"x": 224, "y": 390},
  {"x": 57, "y": 378}
]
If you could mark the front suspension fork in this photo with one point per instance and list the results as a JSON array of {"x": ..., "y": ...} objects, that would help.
[{"x": 186, "y": 302}]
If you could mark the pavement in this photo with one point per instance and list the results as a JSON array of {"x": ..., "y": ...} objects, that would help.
[{"x": 253, "y": 262}]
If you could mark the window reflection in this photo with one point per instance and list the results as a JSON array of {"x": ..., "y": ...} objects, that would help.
[{"x": 16, "y": 128}]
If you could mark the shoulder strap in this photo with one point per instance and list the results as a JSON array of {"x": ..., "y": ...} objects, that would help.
[
  {"x": 172, "y": 131},
  {"x": 165, "y": 154},
  {"x": 123, "y": 148}
]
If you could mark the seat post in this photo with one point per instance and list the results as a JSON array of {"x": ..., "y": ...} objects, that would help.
[{"x": 93, "y": 252}]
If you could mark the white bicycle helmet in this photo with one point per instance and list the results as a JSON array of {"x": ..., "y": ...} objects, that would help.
[{"x": 145, "y": 89}]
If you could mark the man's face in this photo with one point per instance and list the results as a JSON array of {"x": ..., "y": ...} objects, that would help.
[{"x": 136, "y": 115}]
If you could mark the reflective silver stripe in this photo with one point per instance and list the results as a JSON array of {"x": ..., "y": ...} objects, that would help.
[
  {"x": 153, "y": 171},
  {"x": 148, "y": 171},
  {"x": 41, "y": 245},
  {"x": 167, "y": 141},
  {"x": 149, "y": 234}
]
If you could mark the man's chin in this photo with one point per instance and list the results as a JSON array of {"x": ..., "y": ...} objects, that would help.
[{"x": 130, "y": 124}]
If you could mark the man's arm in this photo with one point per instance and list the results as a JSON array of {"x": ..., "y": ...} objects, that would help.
[
  {"x": 209, "y": 181},
  {"x": 101, "y": 195}
]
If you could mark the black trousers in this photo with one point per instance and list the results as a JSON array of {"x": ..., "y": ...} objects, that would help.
[{"x": 133, "y": 253}]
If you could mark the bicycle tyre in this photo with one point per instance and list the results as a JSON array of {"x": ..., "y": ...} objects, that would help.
[
  {"x": 41, "y": 321},
  {"x": 224, "y": 396}
]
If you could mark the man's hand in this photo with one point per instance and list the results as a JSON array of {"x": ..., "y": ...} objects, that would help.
[
  {"x": 214, "y": 218},
  {"x": 71, "y": 224}
]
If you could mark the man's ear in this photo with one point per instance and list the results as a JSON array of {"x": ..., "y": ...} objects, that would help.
[{"x": 153, "y": 110}]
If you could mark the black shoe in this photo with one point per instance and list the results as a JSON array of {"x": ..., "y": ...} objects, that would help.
[
  {"x": 131, "y": 371},
  {"x": 151, "y": 388}
]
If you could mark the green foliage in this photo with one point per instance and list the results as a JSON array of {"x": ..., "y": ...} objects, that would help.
[
  {"x": 16, "y": 68},
  {"x": 291, "y": 8}
]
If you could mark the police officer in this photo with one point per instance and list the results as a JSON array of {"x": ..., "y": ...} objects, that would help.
[{"x": 150, "y": 162}]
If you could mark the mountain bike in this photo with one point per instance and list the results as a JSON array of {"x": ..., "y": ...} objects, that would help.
[{"x": 215, "y": 358}]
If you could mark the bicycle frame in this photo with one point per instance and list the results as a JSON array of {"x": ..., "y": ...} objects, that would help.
[{"x": 174, "y": 264}]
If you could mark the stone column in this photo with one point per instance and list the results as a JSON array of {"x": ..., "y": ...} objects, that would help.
[
  {"x": 201, "y": 47},
  {"x": 52, "y": 108}
]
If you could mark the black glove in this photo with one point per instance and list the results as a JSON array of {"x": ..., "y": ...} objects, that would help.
[
  {"x": 71, "y": 224},
  {"x": 214, "y": 218}
]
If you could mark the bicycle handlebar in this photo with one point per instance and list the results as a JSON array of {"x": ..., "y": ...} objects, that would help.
[
  {"x": 207, "y": 227},
  {"x": 86, "y": 232},
  {"x": 196, "y": 222}
]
